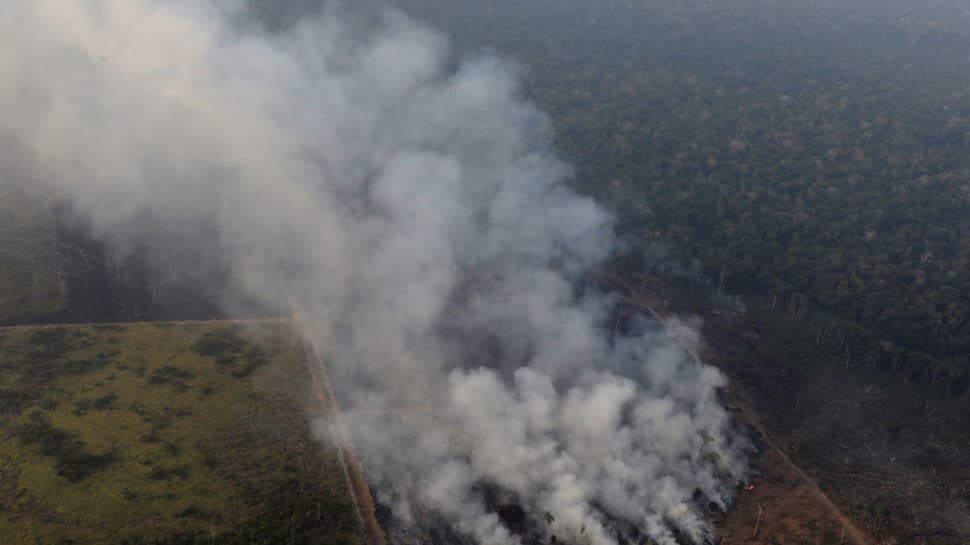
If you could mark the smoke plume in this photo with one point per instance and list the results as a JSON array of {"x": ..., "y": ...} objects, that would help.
[{"x": 420, "y": 214}]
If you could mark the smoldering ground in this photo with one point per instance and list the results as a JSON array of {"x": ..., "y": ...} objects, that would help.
[{"x": 419, "y": 213}]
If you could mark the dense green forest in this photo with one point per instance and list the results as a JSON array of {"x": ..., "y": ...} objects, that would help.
[
  {"x": 817, "y": 153},
  {"x": 812, "y": 158}
]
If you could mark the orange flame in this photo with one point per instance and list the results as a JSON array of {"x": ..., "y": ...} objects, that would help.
[{"x": 749, "y": 487}]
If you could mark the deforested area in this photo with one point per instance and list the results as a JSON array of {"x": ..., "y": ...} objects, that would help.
[
  {"x": 559, "y": 271},
  {"x": 164, "y": 433}
]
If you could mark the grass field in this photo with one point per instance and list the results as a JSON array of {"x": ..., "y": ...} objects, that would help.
[
  {"x": 29, "y": 285},
  {"x": 163, "y": 433}
]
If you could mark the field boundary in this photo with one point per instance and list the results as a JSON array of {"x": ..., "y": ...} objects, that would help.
[
  {"x": 55, "y": 325},
  {"x": 357, "y": 486}
]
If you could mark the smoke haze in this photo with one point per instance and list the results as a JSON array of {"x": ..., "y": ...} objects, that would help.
[{"x": 419, "y": 213}]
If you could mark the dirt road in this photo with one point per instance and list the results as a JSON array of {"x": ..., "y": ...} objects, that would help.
[{"x": 350, "y": 463}]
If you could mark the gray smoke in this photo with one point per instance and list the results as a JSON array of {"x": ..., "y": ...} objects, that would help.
[{"x": 421, "y": 216}]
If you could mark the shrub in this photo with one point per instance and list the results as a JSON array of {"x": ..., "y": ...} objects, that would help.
[
  {"x": 49, "y": 343},
  {"x": 71, "y": 459},
  {"x": 230, "y": 349},
  {"x": 220, "y": 343},
  {"x": 164, "y": 474},
  {"x": 103, "y": 403},
  {"x": 14, "y": 400},
  {"x": 168, "y": 374}
]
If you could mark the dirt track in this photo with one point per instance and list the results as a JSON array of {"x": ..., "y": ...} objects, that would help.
[
  {"x": 792, "y": 499},
  {"x": 356, "y": 484}
]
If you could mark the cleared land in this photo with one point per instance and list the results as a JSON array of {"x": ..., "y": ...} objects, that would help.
[
  {"x": 164, "y": 433},
  {"x": 196, "y": 432},
  {"x": 785, "y": 506}
]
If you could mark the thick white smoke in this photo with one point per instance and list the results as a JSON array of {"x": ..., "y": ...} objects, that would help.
[{"x": 421, "y": 216}]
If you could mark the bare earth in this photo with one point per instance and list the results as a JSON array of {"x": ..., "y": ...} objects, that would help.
[
  {"x": 786, "y": 506},
  {"x": 793, "y": 509}
]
